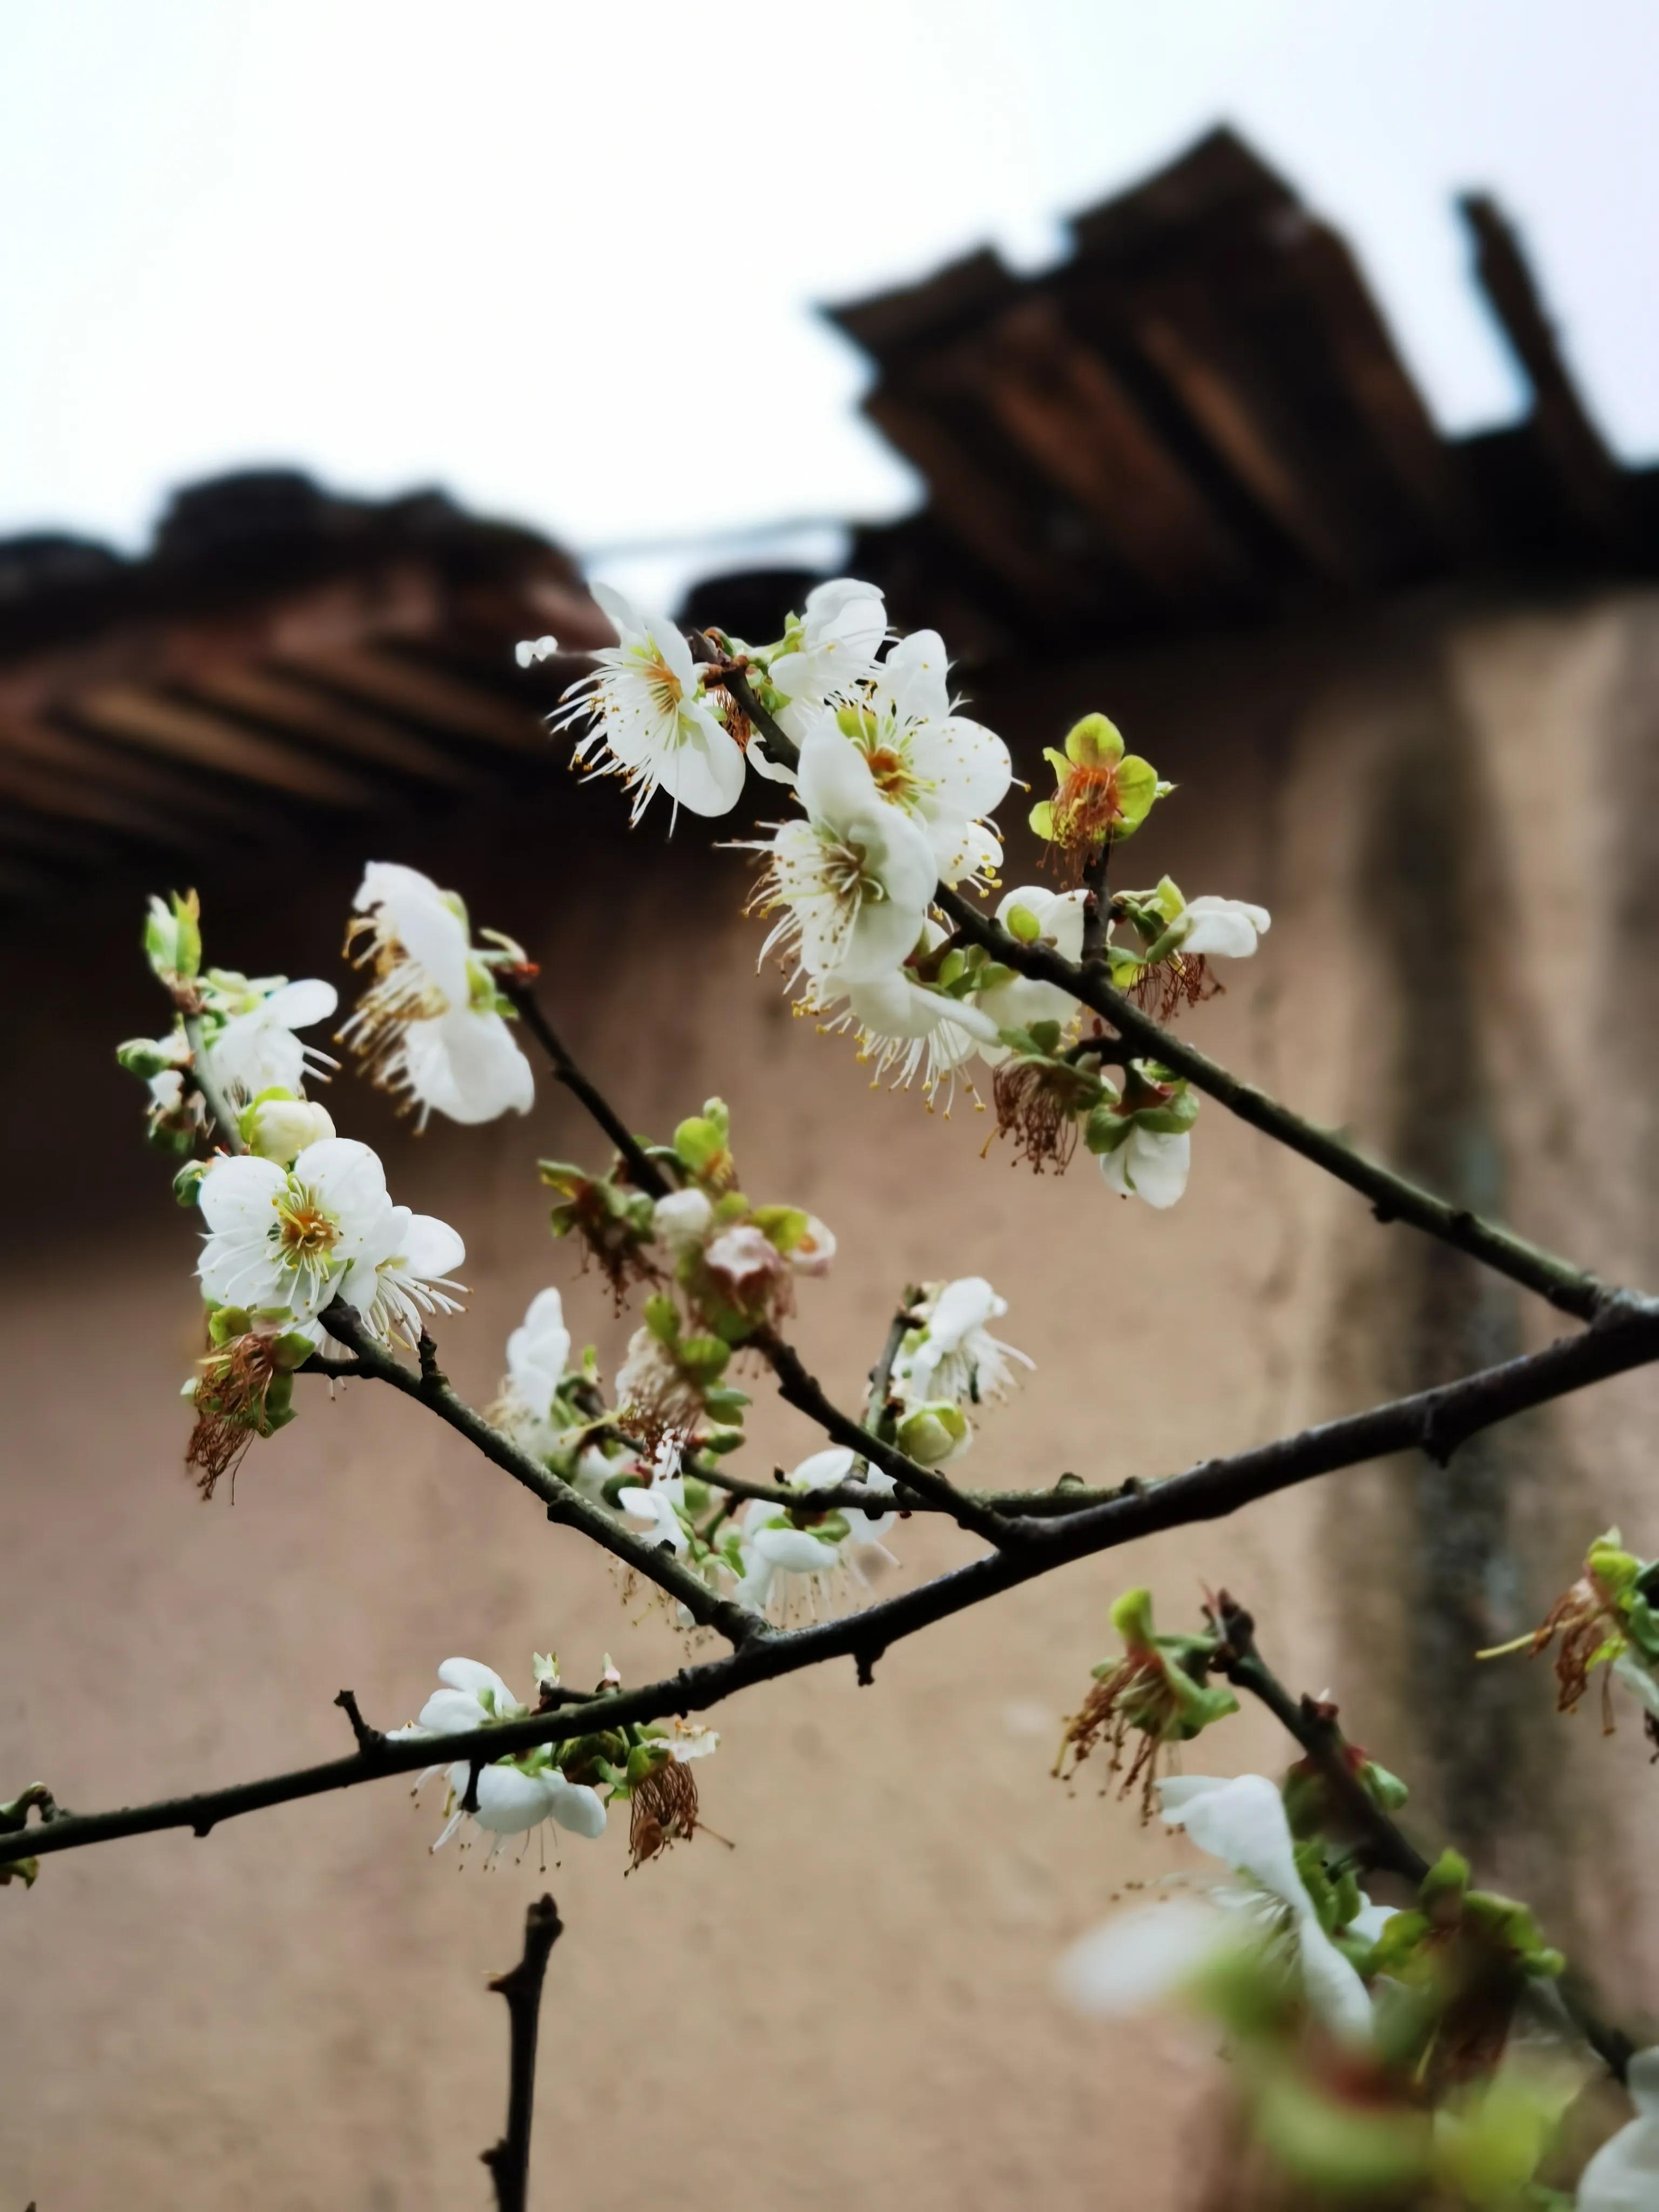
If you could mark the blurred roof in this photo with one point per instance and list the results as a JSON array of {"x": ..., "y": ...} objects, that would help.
[
  {"x": 1199, "y": 418},
  {"x": 279, "y": 654}
]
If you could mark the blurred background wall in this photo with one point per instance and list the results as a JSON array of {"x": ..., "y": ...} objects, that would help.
[{"x": 1406, "y": 684}]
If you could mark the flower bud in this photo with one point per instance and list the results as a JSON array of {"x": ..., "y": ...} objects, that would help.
[
  {"x": 173, "y": 938},
  {"x": 932, "y": 1433},
  {"x": 148, "y": 1057},
  {"x": 279, "y": 1127}
]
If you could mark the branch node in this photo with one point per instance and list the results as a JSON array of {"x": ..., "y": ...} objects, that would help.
[
  {"x": 864, "y": 1660},
  {"x": 369, "y": 1740},
  {"x": 474, "y": 1769}
]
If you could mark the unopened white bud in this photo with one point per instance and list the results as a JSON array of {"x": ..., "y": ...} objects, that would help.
[
  {"x": 529, "y": 650},
  {"x": 280, "y": 1128}
]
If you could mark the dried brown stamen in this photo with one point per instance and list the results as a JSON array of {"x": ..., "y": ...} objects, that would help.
[
  {"x": 230, "y": 1409},
  {"x": 1113, "y": 1711},
  {"x": 1036, "y": 1102},
  {"x": 1082, "y": 811},
  {"x": 1184, "y": 979},
  {"x": 662, "y": 1811}
]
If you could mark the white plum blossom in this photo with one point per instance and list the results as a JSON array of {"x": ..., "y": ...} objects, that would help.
[
  {"x": 1152, "y": 1953},
  {"x": 284, "y": 1238},
  {"x": 293, "y": 1239},
  {"x": 831, "y": 651},
  {"x": 430, "y": 1027},
  {"x": 254, "y": 1046},
  {"x": 538, "y": 1352},
  {"x": 1150, "y": 1164},
  {"x": 853, "y": 879},
  {"x": 514, "y": 1795},
  {"x": 780, "y": 1557},
  {"x": 944, "y": 770},
  {"x": 1036, "y": 915},
  {"x": 661, "y": 1506},
  {"x": 1229, "y": 927},
  {"x": 404, "y": 1274},
  {"x": 827, "y": 1470},
  {"x": 1623, "y": 2174},
  {"x": 904, "y": 1027},
  {"x": 954, "y": 1359},
  {"x": 649, "y": 722}
]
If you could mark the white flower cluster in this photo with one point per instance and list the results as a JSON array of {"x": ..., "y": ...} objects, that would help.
[
  {"x": 895, "y": 790},
  {"x": 523, "y": 1791},
  {"x": 774, "y": 1555}
]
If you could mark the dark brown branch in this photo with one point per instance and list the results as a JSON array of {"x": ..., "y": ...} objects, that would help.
[
  {"x": 1393, "y": 1197},
  {"x": 508, "y": 2161},
  {"x": 642, "y": 1169},
  {"x": 1381, "y": 1842},
  {"x": 369, "y": 1740},
  {"x": 800, "y": 1389},
  {"x": 1626, "y": 1336},
  {"x": 564, "y": 1504},
  {"x": 796, "y": 1385}
]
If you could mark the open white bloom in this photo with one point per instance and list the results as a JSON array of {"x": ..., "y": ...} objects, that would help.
[
  {"x": 429, "y": 1026},
  {"x": 853, "y": 879},
  {"x": 1037, "y": 916},
  {"x": 841, "y": 631},
  {"x": 1623, "y": 2174},
  {"x": 944, "y": 770},
  {"x": 956, "y": 1360},
  {"x": 1228, "y": 926},
  {"x": 1152, "y": 1953},
  {"x": 1150, "y": 1164},
  {"x": 404, "y": 1273},
  {"x": 827, "y": 1470},
  {"x": 650, "y": 723},
  {"x": 781, "y": 1560},
  {"x": 255, "y": 1048},
  {"x": 538, "y": 1352},
  {"x": 514, "y": 1795},
  {"x": 902, "y": 1026},
  {"x": 660, "y": 1506},
  {"x": 286, "y": 1237}
]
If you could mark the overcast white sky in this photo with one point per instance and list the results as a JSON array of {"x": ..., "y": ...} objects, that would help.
[{"x": 562, "y": 258}]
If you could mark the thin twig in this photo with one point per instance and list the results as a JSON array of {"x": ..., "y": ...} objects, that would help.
[
  {"x": 1381, "y": 1842},
  {"x": 642, "y": 1169},
  {"x": 800, "y": 1389},
  {"x": 369, "y": 1740},
  {"x": 200, "y": 1074},
  {"x": 1394, "y": 1198},
  {"x": 1625, "y": 1338},
  {"x": 508, "y": 2161},
  {"x": 564, "y": 1504}
]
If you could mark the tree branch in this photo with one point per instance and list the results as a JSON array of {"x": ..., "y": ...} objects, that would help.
[
  {"x": 798, "y": 1389},
  {"x": 508, "y": 2161},
  {"x": 1626, "y": 1336},
  {"x": 647, "y": 1175},
  {"x": 1383, "y": 1843},
  {"x": 565, "y": 1506},
  {"x": 200, "y": 1075},
  {"x": 1393, "y": 1197}
]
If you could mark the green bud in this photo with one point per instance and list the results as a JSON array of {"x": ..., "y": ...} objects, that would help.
[
  {"x": 931, "y": 1434},
  {"x": 173, "y": 938},
  {"x": 1020, "y": 923},
  {"x": 187, "y": 1183},
  {"x": 145, "y": 1057},
  {"x": 225, "y": 1323}
]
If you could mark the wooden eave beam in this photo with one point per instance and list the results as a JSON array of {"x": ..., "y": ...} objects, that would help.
[
  {"x": 280, "y": 702},
  {"x": 127, "y": 714},
  {"x": 437, "y": 702}
]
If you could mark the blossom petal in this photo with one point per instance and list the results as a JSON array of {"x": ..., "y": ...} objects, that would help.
[
  {"x": 1142, "y": 1957},
  {"x": 239, "y": 1192},
  {"x": 574, "y": 1805}
]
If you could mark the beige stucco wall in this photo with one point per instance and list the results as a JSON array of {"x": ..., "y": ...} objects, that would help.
[{"x": 853, "y": 2002}]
